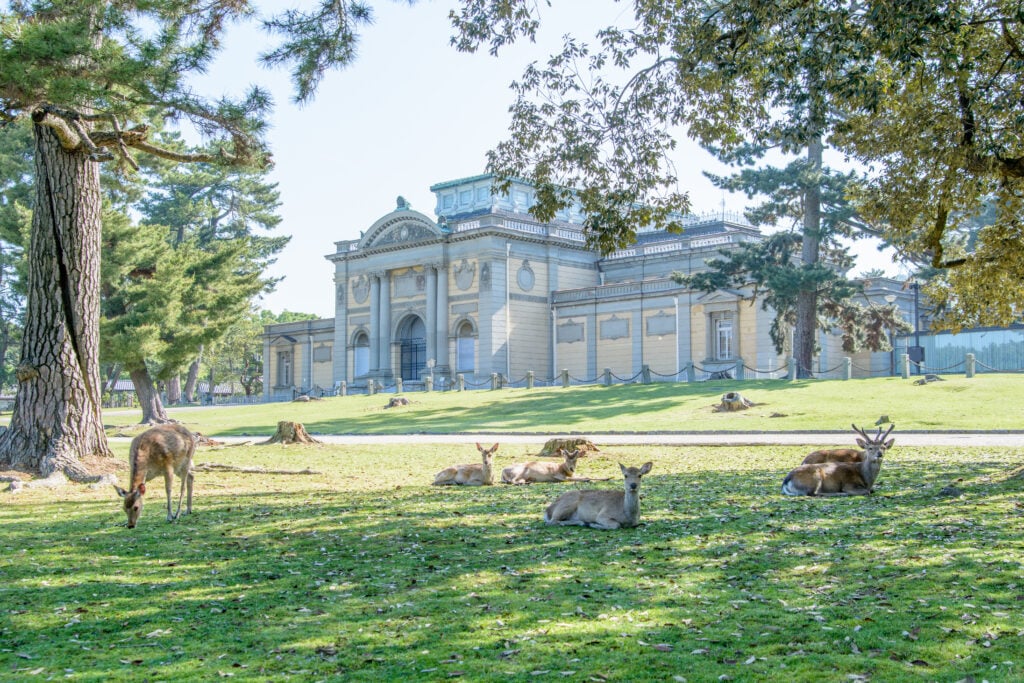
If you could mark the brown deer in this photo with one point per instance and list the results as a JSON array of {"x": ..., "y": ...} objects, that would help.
[
  {"x": 537, "y": 472},
  {"x": 866, "y": 442},
  {"x": 475, "y": 474},
  {"x": 601, "y": 509},
  {"x": 835, "y": 478},
  {"x": 165, "y": 449}
]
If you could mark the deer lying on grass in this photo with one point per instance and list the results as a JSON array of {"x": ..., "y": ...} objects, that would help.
[
  {"x": 164, "y": 449},
  {"x": 866, "y": 443},
  {"x": 537, "y": 472},
  {"x": 475, "y": 474},
  {"x": 601, "y": 509},
  {"x": 835, "y": 478}
]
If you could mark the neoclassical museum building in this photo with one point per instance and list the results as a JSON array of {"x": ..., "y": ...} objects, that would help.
[{"x": 484, "y": 288}]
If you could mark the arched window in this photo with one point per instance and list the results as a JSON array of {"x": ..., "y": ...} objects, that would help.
[
  {"x": 361, "y": 355},
  {"x": 465, "y": 359}
]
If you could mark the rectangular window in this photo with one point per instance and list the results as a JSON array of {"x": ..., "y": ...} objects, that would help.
[
  {"x": 723, "y": 337},
  {"x": 284, "y": 368}
]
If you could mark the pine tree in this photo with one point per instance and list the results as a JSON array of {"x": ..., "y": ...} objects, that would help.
[{"x": 91, "y": 76}]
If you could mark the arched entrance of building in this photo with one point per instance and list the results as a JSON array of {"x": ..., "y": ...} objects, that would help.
[{"x": 412, "y": 339}]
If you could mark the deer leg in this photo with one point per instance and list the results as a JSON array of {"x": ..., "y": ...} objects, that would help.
[
  {"x": 168, "y": 481},
  {"x": 606, "y": 523},
  {"x": 191, "y": 480}
]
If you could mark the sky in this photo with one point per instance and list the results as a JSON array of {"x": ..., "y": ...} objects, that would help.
[{"x": 409, "y": 113}]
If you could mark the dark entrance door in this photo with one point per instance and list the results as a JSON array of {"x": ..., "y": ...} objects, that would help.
[{"x": 414, "y": 358}]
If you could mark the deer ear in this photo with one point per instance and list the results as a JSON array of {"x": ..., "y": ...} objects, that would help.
[
  {"x": 142, "y": 488},
  {"x": 120, "y": 491},
  {"x": 862, "y": 443},
  {"x": 494, "y": 447},
  {"x": 646, "y": 468},
  {"x": 889, "y": 443}
]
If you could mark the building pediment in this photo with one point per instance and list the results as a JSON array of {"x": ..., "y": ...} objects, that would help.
[
  {"x": 721, "y": 296},
  {"x": 402, "y": 226}
]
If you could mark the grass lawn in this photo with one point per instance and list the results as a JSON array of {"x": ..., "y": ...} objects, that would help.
[
  {"x": 366, "y": 573},
  {"x": 984, "y": 402}
]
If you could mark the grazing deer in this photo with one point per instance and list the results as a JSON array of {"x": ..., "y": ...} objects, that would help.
[
  {"x": 601, "y": 509},
  {"x": 165, "y": 449},
  {"x": 866, "y": 443},
  {"x": 475, "y": 474},
  {"x": 835, "y": 478},
  {"x": 538, "y": 472}
]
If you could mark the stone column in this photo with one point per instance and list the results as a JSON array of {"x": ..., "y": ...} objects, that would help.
[
  {"x": 375, "y": 339},
  {"x": 385, "y": 323},
  {"x": 431, "y": 312},
  {"x": 442, "y": 316},
  {"x": 267, "y": 380}
]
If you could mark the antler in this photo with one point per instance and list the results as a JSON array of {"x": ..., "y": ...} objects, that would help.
[{"x": 878, "y": 438}]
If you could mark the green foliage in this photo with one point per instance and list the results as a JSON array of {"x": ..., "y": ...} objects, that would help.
[
  {"x": 772, "y": 268},
  {"x": 237, "y": 355},
  {"x": 364, "y": 572},
  {"x": 285, "y": 316},
  {"x": 161, "y": 304},
  {"x": 921, "y": 94}
]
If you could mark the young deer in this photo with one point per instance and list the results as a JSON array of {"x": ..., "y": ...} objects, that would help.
[
  {"x": 835, "y": 478},
  {"x": 601, "y": 509},
  {"x": 537, "y": 472},
  {"x": 866, "y": 443},
  {"x": 475, "y": 474},
  {"x": 167, "y": 450}
]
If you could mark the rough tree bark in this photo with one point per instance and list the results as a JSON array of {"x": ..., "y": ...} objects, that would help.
[
  {"x": 174, "y": 390},
  {"x": 189, "y": 392},
  {"x": 57, "y": 413},
  {"x": 153, "y": 411}
]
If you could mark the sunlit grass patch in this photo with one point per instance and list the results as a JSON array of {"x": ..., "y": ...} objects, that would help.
[{"x": 366, "y": 572}]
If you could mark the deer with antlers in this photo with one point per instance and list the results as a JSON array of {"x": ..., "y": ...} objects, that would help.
[
  {"x": 866, "y": 442},
  {"x": 165, "y": 449},
  {"x": 601, "y": 509},
  {"x": 836, "y": 478},
  {"x": 537, "y": 472},
  {"x": 474, "y": 474}
]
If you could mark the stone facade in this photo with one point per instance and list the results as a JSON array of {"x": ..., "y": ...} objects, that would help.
[{"x": 486, "y": 288}]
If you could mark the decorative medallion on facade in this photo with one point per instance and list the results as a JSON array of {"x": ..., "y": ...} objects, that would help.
[
  {"x": 360, "y": 289},
  {"x": 525, "y": 277},
  {"x": 464, "y": 274}
]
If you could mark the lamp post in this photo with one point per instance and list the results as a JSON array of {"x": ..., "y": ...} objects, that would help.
[
  {"x": 919, "y": 352},
  {"x": 891, "y": 299}
]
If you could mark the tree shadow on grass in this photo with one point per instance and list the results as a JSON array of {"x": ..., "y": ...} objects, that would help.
[{"x": 425, "y": 582}]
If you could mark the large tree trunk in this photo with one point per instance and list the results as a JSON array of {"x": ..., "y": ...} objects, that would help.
[
  {"x": 149, "y": 398},
  {"x": 174, "y": 390},
  {"x": 804, "y": 336},
  {"x": 57, "y": 413},
  {"x": 189, "y": 391}
]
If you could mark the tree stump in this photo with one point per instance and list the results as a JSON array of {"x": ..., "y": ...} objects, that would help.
[
  {"x": 733, "y": 401},
  {"x": 552, "y": 446},
  {"x": 289, "y": 433}
]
